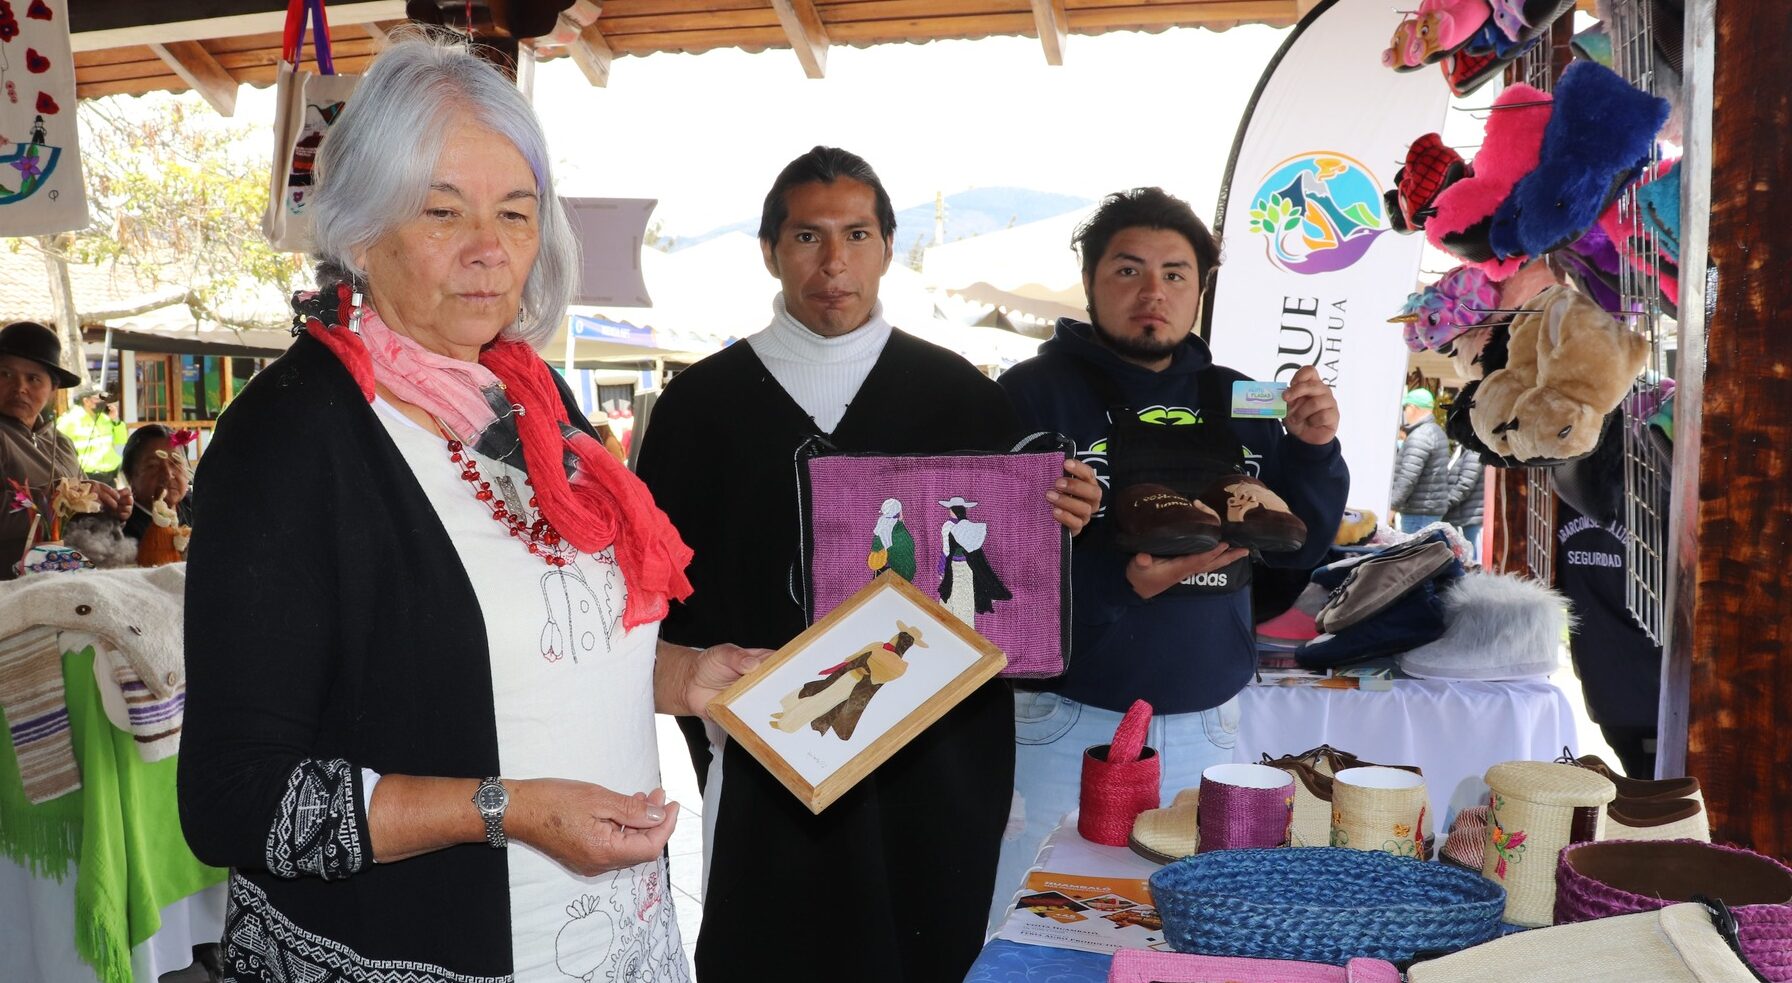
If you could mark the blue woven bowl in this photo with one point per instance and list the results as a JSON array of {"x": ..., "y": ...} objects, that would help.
[{"x": 1324, "y": 905}]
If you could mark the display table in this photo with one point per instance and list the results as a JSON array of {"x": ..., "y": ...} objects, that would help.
[
  {"x": 1454, "y": 731},
  {"x": 98, "y": 883}
]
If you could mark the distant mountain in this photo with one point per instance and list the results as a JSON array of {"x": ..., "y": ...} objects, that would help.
[{"x": 968, "y": 213}]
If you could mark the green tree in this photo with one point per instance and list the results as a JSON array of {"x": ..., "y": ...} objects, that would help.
[{"x": 176, "y": 195}]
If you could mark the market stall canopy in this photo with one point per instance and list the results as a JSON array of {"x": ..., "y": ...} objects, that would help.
[
  {"x": 1029, "y": 268},
  {"x": 129, "y": 46},
  {"x": 217, "y": 342}
]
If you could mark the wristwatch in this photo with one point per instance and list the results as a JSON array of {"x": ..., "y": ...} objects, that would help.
[{"x": 491, "y": 800}]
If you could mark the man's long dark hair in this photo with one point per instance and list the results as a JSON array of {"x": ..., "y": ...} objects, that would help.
[{"x": 823, "y": 165}]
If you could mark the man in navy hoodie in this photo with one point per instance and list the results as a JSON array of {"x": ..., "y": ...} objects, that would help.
[{"x": 1173, "y": 631}]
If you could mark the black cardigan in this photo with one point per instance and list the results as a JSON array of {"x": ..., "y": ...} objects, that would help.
[
  {"x": 891, "y": 884},
  {"x": 330, "y": 627}
]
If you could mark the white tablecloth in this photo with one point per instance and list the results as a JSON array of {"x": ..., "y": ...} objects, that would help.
[
  {"x": 37, "y": 930},
  {"x": 1454, "y": 731}
]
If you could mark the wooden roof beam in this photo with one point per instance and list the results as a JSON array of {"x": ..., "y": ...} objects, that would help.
[
  {"x": 236, "y": 25},
  {"x": 588, "y": 50},
  {"x": 1054, "y": 28},
  {"x": 808, "y": 36},
  {"x": 197, "y": 68}
]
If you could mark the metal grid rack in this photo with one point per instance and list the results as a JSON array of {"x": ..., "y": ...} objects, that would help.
[
  {"x": 1647, "y": 475},
  {"x": 1534, "y": 68}
]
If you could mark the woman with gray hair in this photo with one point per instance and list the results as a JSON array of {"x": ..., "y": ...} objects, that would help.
[{"x": 423, "y": 602}]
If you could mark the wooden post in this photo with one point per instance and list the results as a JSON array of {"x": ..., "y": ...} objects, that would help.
[{"x": 1730, "y": 643}]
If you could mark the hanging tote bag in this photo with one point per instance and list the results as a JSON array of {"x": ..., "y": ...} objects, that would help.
[
  {"x": 306, "y": 104},
  {"x": 971, "y": 529}
]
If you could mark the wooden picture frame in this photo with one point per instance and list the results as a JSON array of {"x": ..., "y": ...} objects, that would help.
[{"x": 836, "y": 702}]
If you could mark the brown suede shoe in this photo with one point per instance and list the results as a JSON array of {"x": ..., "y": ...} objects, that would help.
[
  {"x": 1154, "y": 519},
  {"x": 1638, "y": 788},
  {"x": 1255, "y": 517}
]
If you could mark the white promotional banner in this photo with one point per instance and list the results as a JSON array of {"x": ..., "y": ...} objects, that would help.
[
  {"x": 40, "y": 156},
  {"x": 1312, "y": 270}
]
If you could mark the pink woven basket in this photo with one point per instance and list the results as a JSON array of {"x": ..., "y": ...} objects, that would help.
[
  {"x": 1621, "y": 877},
  {"x": 1120, "y": 780},
  {"x": 1146, "y": 966}
]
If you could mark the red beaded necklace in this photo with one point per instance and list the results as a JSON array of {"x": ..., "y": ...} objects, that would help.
[{"x": 539, "y": 535}]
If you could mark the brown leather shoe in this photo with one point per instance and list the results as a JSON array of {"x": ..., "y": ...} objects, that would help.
[
  {"x": 1638, "y": 788},
  {"x": 1154, "y": 519},
  {"x": 1255, "y": 517}
]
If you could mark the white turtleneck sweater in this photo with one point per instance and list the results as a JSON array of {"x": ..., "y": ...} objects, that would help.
[{"x": 821, "y": 374}]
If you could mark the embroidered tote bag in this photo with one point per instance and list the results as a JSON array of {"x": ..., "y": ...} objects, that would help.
[
  {"x": 972, "y": 530},
  {"x": 305, "y": 107}
]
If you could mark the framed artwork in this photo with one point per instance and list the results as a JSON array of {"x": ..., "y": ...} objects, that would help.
[
  {"x": 853, "y": 689},
  {"x": 971, "y": 530}
]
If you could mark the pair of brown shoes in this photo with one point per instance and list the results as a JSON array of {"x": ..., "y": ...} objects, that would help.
[
  {"x": 1236, "y": 509},
  {"x": 1649, "y": 808}
]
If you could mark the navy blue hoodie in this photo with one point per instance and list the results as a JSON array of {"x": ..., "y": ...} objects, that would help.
[{"x": 1180, "y": 652}]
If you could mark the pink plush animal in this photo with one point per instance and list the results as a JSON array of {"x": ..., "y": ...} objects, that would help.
[
  {"x": 1510, "y": 149},
  {"x": 1438, "y": 28}
]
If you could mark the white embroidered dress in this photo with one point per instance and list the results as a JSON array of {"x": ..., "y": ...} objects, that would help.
[{"x": 574, "y": 699}]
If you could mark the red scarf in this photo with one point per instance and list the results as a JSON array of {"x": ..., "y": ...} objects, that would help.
[{"x": 593, "y": 502}]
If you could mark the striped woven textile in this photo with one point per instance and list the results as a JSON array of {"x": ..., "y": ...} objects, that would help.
[
  {"x": 155, "y": 723},
  {"x": 37, "y": 716}
]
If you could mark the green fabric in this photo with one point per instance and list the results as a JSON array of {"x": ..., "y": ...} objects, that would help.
[
  {"x": 901, "y": 551},
  {"x": 98, "y": 439},
  {"x": 133, "y": 860}
]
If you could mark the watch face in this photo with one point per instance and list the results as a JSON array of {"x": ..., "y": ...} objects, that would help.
[{"x": 490, "y": 798}]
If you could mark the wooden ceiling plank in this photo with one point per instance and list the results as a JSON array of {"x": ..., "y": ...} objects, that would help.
[
  {"x": 589, "y": 51},
  {"x": 1053, "y": 24},
  {"x": 721, "y": 20},
  {"x": 201, "y": 72},
  {"x": 1184, "y": 14},
  {"x": 273, "y": 21},
  {"x": 751, "y": 39},
  {"x": 982, "y": 25},
  {"x": 807, "y": 36}
]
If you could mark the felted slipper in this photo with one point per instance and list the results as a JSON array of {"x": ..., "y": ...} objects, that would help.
[
  {"x": 1430, "y": 167},
  {"x": 1379, "y": 581},
  {"x": 1458, "y": 301},
  {"x": 1522, "y": 20},
  {"x": 1510, "y": 150},
  {"x": 1437, "y": 29},
  {"x": 1166, "y": 835},
  {"x": 1598, "y": 138},
  {"x": 1659, "y": 202}
]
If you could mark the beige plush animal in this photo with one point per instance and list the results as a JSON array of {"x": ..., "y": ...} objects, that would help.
[
  {"x": 1587, "y": 361},
  {"x": 1495, "y": 398}
]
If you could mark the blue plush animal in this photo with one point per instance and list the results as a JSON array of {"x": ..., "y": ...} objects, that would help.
[{"x": 1598, "y": 139}]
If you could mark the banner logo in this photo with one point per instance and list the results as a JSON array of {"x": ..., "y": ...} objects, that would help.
[{"x": 1319, "y": 211}]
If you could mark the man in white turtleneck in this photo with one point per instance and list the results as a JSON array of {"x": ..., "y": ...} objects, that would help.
[{"x": 719, "y": 456}]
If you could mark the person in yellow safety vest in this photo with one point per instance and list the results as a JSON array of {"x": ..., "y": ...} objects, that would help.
[{"x": 98, "y": 438}]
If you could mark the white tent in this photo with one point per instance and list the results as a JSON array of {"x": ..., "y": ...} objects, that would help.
[{"x": 1029, "y": 268}]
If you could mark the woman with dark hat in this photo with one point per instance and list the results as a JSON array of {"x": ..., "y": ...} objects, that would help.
[{"x": 32, "y": 452}]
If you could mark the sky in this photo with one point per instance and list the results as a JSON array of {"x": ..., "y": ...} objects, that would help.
[{"x": 706, "y": 134}]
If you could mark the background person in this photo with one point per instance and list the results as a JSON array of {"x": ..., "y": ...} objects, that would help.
[
  {"x": 446, "y": 579},
  {"x": 1421, "y": 488},
  {"x": 92, "y": 425}
]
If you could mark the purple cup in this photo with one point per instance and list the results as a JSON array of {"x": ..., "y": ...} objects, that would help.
[{"x": 1245, "y": 806}]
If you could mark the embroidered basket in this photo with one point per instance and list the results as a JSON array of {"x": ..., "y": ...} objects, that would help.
[
  {"x": 1537, "y": 809},
  {"x": 1312, "y": 801},
  {"x": 1322, "y": 905},
  {"x": 1621, "y": 877},
  {"x": 973, "y": 530},
  {"x": 1377, "y": 808}
]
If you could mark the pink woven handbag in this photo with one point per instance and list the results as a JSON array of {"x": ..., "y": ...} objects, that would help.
[{"x": 1148, "y": 966}]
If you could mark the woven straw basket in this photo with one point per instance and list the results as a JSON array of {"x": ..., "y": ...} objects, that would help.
[
  {"x": 1379, "y": 809},
  {"x": 1322, "y": 905},
  {"x": 1537, "y": 809}
]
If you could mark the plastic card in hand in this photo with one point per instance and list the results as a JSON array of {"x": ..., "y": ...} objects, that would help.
[{"x": 1258, "y": 399}]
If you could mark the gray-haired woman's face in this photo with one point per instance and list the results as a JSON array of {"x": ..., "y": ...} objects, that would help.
[{"x": 452, "y": 276}]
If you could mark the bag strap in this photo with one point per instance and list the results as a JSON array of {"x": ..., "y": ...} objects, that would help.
[
  {"x": 320, "y": 37},
  {"x": 293, "y": 38}
]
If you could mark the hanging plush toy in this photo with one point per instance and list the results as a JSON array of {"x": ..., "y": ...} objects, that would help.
[
  {"x": 1438, "y": 28},
  {"x": 1598, "y": 139},
  {"x": 1435, "y": 316},
  {"x": 1430, "y": 168},
  {"x": 1522, "y": 20},
  {"x": 1492, "y": 411},
  {"x": 1509, "y": 150},
  {"x": 1586, "y": 362}
]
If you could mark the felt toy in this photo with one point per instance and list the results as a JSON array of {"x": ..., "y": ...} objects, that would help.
[
  {"x": 1659, "y": 203},
  {"x": 1597, "y": 140},
  {"x": 1522, "y": 287},
  {"x": 1593, "y": 44},
  {"x": 1522, "y": 20},
  {"x": 1491, "y": 413},
  {"x": 1437, "y": 29},
  {"x": 1586, "y": 362},
  {"x": 1459, "y": 428},
  {"x": 1509, "y": 151},
  {"x": 1356, "y": 527},
  {"x": 1592, "y": 263},
  {"x": 1430, "y": 167},
  {"x": 1455, "y": 303},
  {"x": 1465, "y": 351},
  {"x": 1626, "y": 234},
  {"x": 1467, "y": 71}
]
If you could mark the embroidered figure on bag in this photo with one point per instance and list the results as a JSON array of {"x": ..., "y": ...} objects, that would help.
[
  {"x": 837, "y": 701},
  {"x": 628, "y": 939},
  {"x": 892, "y": 547},
  {"x": 968, "y": 585}
]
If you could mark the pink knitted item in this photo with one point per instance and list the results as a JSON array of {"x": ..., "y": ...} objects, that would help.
[
  {"x": 1764, "y": 929},
  {"x": 1120, "y": 780},
  {"x": 1510, "y": 149},
  {"x": 1149, "y": 966}
]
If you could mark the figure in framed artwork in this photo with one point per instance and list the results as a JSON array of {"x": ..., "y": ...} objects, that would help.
[
  {"x": 892, "y": 546},
  {"x": 837, "y": 700},
  {"x": 968, "y": 585}
]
